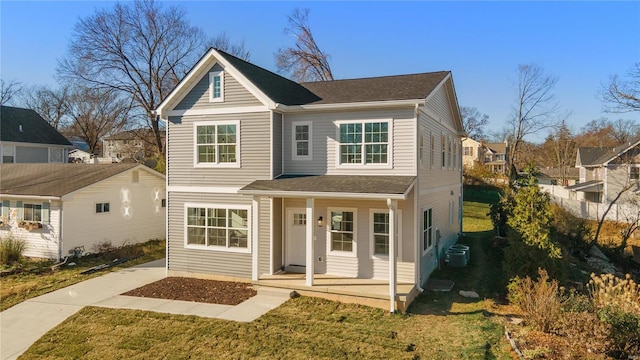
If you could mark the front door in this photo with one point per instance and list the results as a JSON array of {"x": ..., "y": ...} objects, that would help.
[{"x": 296, "y": 237}]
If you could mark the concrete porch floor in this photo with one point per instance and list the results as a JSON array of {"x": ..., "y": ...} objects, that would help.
[{"x": 368, "y": 292}]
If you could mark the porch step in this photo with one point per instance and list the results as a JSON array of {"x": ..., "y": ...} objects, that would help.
[{"x": 276, "y": 292}]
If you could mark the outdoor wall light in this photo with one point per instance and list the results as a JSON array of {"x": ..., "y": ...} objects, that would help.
[{"x": 320, "y": 221}]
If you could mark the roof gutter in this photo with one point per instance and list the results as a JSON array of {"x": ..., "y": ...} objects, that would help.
[
  {"x": 349, "y": 106},
  {"x": 318, "y": 194},
  {"x": 30, "y": 197}
]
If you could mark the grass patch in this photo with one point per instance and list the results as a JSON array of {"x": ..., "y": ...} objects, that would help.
[{"x": 19, "y": 287}]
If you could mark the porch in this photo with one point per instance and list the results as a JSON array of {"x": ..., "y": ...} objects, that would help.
[{"x": 370, "y": 292}]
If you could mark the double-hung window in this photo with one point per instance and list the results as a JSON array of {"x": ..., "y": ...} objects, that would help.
[
  {"x": 427, "y": 227},
  {"x": 216, "y": 86},
  {"x": 364, "y": 142},
  {"x": 443, "y": 143},
  {"x": 342, "y": 231},
  {"x": 217, "y": 227},
  {"x": 217, "y": 144},
  {"x": 301, "y": 144},
  {"x": 32, "y": 212},
  {"x": 380, "y": 222}
]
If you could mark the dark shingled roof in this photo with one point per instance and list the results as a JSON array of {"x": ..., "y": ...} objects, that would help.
[
  {"x": 334, "y": 184},
  {"x": 600, "y": 155},
  {"x": 384, "y": 88},
  {"x": 276, "y": 87},
  {"x": 54, "y": 179},
  {"x": 35, "y": 129}
]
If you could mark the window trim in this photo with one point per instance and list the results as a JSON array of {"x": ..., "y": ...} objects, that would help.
[
  {"x": 363, "y": 164},
  {"x": 426, "y": 249},
  {"x": 246, "y": 250},
  {"x": 212, "y": 75},
  {"x": 216, "y": 164},
  {"x": 372, "y": 253},
  {"x": 102, "y": 207},
  {"x": 354, "y": 244},
  {"x": 24, "y": 211},
  {"x": 294, "y": 141}
]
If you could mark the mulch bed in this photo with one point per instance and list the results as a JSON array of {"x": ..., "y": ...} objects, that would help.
[{"x": 197, "y": 290}]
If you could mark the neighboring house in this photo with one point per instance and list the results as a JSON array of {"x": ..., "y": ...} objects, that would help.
[
  {"x": 558, "y": 176},
  {"x": 130, "y": 144},
  {"x": 472, "y": 152},
  {"x": 492, "y": 155},
  {"x": 79, "y": 156},
  {"x": 347, "y": 179},
  {"x": 57, "y": 208},
  {"x": 495, "y": 157},
  {"x": 25, "y": 137},
  {"x": 604, "y": 172}
]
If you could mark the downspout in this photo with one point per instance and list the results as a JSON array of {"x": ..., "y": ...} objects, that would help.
[
  {"x": 416, "y": 198},
  {"x": 393, "y": 288}
]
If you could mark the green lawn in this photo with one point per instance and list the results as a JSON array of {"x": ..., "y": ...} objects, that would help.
[
  {"x": 23, "y": 286},
  {"x": 437, "y": 326}
]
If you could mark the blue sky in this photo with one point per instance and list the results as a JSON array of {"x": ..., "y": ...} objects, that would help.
[{"x": 482, "y": 43}]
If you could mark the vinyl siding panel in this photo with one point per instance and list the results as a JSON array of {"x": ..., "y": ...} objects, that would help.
[
  {"x": 254, "y": 152},
  {"x": 277, "y": 144},
  {"x": 234, "y": 94},
  {"x": 325, "y": 143},
  {"x": 200, "y": 261},
  {"x": 40, "y": 243},
  {"x": 135, "y": 215},
  {"x": 361, "y": 264}
]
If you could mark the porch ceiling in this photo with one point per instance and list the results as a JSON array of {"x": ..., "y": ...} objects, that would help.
[{"x": 334, "y": 186}]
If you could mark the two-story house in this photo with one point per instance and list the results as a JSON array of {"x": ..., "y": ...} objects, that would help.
[
  {"x": 130, "y": 144},
  {"x": 354, "y": 179},
  {"x": 492, "y": 155},
  {"x": 606, "y": 172},
  {"x": 25, "y": 137}
]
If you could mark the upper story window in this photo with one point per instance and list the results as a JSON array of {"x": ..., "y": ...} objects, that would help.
[
  {"x": 500, "y": 157},
  {"x": 216, "y": 86},
  {"x": 217, "y": 144},
  {"x": 364, "y": 142},
  {"x": 443, "y": 145},
  {"x": 302, "y": 140},
  {"x": 468, "y": 151},
  {"x": 102, "y": 208},
  {"x": 634, "y": 173},
  {"x": 433, "y": 148}
]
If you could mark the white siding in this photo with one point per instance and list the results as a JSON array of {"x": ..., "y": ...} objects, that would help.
[
  {"x": 325, "y": 142},
  {"x": 135, "y": 214},
  {"x": 41, "y": 243}
]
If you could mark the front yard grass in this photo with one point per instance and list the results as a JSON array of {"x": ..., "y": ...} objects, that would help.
[
  {"x": 437, "y": 326},
  {"x": 22, "y": 286}
]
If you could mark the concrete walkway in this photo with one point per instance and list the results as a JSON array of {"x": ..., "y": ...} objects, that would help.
[{"x": 23, "y": 324}]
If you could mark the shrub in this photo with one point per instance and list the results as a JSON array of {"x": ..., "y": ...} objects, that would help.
[
  {"x": 583, "y": 330},
  {"x": 524, "y": 260},
  {"x": 11, "y": 249},
  {"x": 624, "y": 333},
  {"x": 609, "y": 290},
  {"x": 540, "y": 300},
  {"x": 570, "y": 230}
]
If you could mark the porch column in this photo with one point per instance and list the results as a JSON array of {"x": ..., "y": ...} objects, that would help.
[
  {"x": 254, "y": 238},
  {"x": 310, "y": 241},
  {"x": 393, "y": 205}
]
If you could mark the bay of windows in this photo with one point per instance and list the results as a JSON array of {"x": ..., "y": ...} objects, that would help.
[
  {"x": 217, "y": 227},
  {"x": 364, "y": 143}
]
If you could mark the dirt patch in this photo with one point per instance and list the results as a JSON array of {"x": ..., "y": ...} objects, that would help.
[{"x": 197, "y": 290}]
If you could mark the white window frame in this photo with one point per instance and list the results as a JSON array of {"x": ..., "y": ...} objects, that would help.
[
  {"x": 362, "y": 163},
  {"x": 372, "y": 240},
  {"x": 294, "y": 141},
  {"x": 55, "y": 150},
  {"x": 354, "y": 244},
  {"x": 212, "y": 76},
  {"x": 102, "y": 204},
  {"x": 427, "y": 248},
  {"x": 216, "y": 247},
  {"x": 216, "y": 164}
]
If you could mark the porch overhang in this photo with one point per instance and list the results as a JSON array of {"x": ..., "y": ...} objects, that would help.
[
  {"x": 589, "y": 186},
  {"x": 333, "y": 186}
]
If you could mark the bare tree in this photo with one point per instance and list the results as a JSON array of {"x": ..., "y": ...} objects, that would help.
[
  {"x": 51, "y": 104},
  {"x": 138, "y": 48},
  {"x": 559, "y": 150},
  {"x": 304, "y": 61},
  {"x": 8, "y": 90},
  {"x": 474, "y": 122},
  {"x": 96, "y": 113},
  {"x": 622, "y": 94},
  {"x": 534, "y": 106},
  {"x": 222, "y": 42}
]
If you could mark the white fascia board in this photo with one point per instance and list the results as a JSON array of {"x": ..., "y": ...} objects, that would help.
[
  {"x": 204, "y": 189},
  {"x": 30, "y": 197},
  {"x": 437, "y": 87},
  {"x": 327, "y": 195},
  {"x": 349, "y": 106}
]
